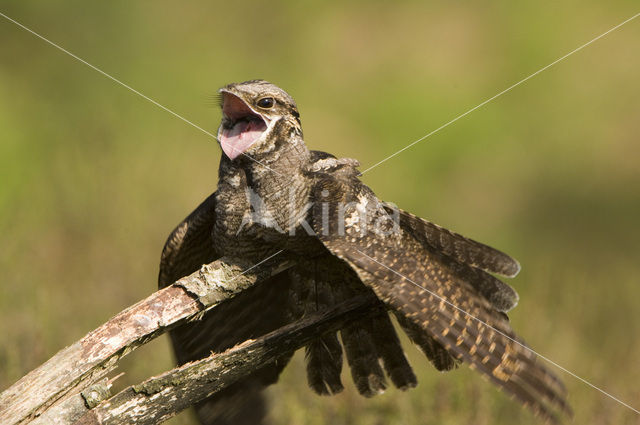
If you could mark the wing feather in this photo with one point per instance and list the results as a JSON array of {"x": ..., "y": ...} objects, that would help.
[
  {"x": 189, "y": 245},
  {"x": 456, "y": 246},
  {"x": 389, "y": 349},
  {"x": 424, "y": 288}
]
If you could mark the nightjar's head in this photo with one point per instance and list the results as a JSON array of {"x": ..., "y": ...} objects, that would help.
[{"x": 257, "y": 117}]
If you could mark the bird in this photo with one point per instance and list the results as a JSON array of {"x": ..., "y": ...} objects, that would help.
[{"x": 275, "y": 195}]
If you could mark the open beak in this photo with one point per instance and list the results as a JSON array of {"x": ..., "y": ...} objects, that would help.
[{"x": 241, "y": 126}]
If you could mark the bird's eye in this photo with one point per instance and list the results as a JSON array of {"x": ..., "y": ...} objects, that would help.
[{"x": 266, "y": 102}]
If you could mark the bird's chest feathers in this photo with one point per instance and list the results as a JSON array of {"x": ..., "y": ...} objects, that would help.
[{"x": 260, "y": 214}]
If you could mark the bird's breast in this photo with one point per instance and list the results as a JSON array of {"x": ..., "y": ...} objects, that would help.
[{"x": 252, "y": 222}]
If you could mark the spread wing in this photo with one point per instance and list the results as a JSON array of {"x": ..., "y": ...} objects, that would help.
[
  {"x": 433, "y": 292},
  {"x": 457, "y": 247},
  {"x": 188, "y": 247}
]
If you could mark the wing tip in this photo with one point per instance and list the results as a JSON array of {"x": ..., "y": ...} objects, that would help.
[{"x": 515, "y": 269}]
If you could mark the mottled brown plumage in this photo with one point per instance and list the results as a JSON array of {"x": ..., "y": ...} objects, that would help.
[{"x": 274, "y": 194}]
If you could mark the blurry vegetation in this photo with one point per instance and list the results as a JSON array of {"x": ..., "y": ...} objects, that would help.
[{"x": 93, "y": 178}]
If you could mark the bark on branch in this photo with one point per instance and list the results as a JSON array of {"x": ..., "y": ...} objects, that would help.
[
  {"x": 159, "y": 398},
  {"x": 51, "y": 393}
]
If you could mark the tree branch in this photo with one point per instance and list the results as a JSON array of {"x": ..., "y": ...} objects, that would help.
[
  {"x": 159, "y": 398},
  {"x": 73, "y": 369}
]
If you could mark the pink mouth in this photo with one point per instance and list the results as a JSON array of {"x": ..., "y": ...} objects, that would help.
[{"x": 241, "y": 126}]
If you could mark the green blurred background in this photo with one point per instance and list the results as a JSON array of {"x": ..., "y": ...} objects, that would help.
[{"x": 93, "y": 177}]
